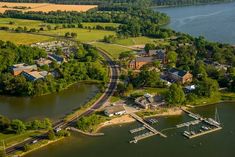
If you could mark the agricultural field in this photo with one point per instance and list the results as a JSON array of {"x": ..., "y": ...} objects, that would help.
[
  {"x": 44, "y": 7},
  {"x": 83, "y": 35},
  {"x": 22, "y": 38},
  {"x": 112, "y": 49}
]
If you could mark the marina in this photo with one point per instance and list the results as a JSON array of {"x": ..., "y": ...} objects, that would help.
[
  {"x": 152, "y": 131},
  {"x": 212, "y": 125}
]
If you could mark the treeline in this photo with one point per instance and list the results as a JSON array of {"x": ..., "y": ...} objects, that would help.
[
  {"x": 87, "y": 2},
  {"x": 84, "y": 64},
  {"x": 17, "y": 126}
]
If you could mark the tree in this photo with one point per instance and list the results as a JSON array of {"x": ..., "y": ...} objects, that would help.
[
  {"x": 18, "y": 126},
  {"x": 148, "y": 47},
  {"x": 26, "y": 147},
  {"x": 175, "y": 95},
  {"x": 207, "y": 88},
  {"x": 172, "y": 58},
  {"x": 4, "y": 123},
  {"x": 67, "y": 34},
  {"x": 51, "y": 135},
  {"x": 74, "y": 35}
]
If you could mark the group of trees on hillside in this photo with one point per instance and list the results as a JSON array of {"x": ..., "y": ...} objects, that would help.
[{"x": 84, "y": 64}]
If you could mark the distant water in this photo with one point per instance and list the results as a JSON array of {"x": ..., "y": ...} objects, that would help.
[
  {"x": 216, "y": 22},
  {"x": 115, "y": 142}
]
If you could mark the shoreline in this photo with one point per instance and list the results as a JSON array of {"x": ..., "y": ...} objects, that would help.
[
  {"x": 126, "y": 119},
  {"x": 41, "y": 146},
  {"x": 188, "y": 5}
]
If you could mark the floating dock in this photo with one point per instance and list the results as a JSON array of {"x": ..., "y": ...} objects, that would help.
[
  {"x": 202, "y": 133},
  {"x": 137, "y": 130},
  {"x": 188, "y": 123},
  {"x": 213, "y": 123},
  {"x": 141, "y": 137}
]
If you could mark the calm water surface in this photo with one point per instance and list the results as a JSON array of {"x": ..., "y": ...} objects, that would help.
[
  {"x": 215, "y": 22},
  {"x": 115, "y": 143},
  {"x": 52, "y": 106}
]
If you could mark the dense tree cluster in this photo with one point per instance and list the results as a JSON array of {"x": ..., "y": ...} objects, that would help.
[
  {"x": 17, "y": 126},
  {"x": 84, "y": 64}
]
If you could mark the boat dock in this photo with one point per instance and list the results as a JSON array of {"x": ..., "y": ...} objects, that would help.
[
  {"x": 188, "y": 123},
  {"x": 152, "y": 131},
  {"x": 137, "y": 130}
]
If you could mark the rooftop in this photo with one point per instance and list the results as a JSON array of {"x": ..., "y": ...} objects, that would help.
[
  {"x": 145, "y": 59},
  {"x": 180, "y": 73}
]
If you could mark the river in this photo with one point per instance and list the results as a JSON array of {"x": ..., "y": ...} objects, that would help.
[
  {"x": 53, "y": 106},
  {"x": 215, "y": 22},
  {"x": 115, "y": 143}
]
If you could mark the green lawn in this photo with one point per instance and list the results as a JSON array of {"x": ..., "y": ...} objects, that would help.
[
  {"x": 21, "y": 23},
  {"x": 134, "y": 41},
  {"x": 113, "y": 50},
  {"x": 11, "y": 139},
  {"x": 83, "y": 35},
  {"x": 22, "y": 38}
]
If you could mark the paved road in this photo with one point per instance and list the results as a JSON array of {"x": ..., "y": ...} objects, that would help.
[{"x": 63, "y": 124}]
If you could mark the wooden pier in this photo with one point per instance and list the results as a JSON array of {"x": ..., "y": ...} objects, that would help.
[{"x": 152, "y": 130}]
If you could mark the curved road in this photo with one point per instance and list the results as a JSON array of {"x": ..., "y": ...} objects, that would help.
[{"x": 63, "y": 124}]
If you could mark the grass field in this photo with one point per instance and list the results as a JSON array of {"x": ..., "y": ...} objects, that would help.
[
  {"x": 21, "y": 23},
  {"x": 45, "y": 7},
  {"x": 113, "y": 50},
  {"x": 83, "y": 35},
  {"x": 22, "y": 38},
  {"x": 11, "y": 139},
  {"x": 139, "y": 41}
]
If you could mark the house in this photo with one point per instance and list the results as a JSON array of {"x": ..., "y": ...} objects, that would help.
[
  {"x": 115, "y": 110},
  {"x": 189, "y": 88},
  {"x": 19, "y": 68},
  {"x": 180, "y": 76},
  {"x": 145, "y": 101},
  {"x": 56, "y": 58},
  {"x": 161, "y": 56},
  {"x": 140, "y": 61},
  {"x": 34, "y": 75},
  {"x": 43, "y": 61}
]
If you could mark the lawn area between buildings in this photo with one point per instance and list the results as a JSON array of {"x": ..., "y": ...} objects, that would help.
[
  {"x": 22, "y": 38},
  {"x": 113, "y": 50}
]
